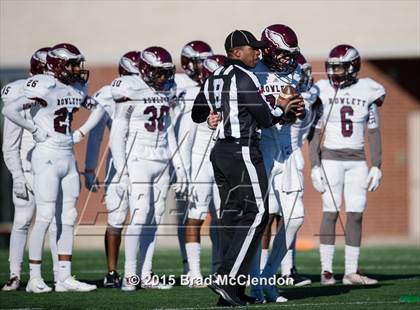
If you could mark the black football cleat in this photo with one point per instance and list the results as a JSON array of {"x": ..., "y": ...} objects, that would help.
[{"x": 112, "y": 280}]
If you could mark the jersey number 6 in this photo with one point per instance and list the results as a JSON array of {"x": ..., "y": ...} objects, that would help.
[{"x": 346, "y": 122}]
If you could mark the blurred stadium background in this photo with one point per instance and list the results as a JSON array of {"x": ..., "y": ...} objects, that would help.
[{"x": 387, "y": 34}]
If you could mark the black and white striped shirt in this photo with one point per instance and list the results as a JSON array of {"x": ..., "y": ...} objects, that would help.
[{"x": 234, "y": 92}]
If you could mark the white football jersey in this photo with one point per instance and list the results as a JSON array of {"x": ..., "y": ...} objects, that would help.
[
  {"x": 203, "y": 139},
  {"x": 60, "y": 102},
  {"x": 15, "y": 139},
  {"x": 346, "y": 115},
  {"x": 146, "y": 109}
]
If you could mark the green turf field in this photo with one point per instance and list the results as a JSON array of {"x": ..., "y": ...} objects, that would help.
[{"x": 397, "y": 269}]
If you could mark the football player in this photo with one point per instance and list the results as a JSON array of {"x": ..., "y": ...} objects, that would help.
[
  {"x": 198, "y": 63},
  {"x": 350, "y": 105},
  {"x": 142, "y": 142},
  {"x": 18, "y": 145},
  {"x": 117, "y": 207},
  {"x": 277, "y": 71},
  {"x": 55, "y": 96}
]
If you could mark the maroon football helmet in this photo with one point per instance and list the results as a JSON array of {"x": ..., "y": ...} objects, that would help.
[
  {"x": 129, "y": 63},
  {"x": 39, "y": 61},
  {"x": 281, "y": 48},
  {"x": 192, "y": 56},
  {"x": 342, "y": 66},
  {"x": 156, "y": 66},
  {"x": 66, "y": 62},
  {"x": 211, "y": 63},
  {"x": 306, "y": 80}
]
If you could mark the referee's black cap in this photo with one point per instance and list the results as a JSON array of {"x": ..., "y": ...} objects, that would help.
[{"x": 241, "y": 38}]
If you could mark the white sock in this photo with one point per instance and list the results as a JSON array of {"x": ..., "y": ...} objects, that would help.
[
  {"x": 131, "y": 246},
  {"x": 263, "y": 260},
  {"x": 193, "y": 254},
  {"x": 36, "y": 240},
  {"x": 351, "y": 259},
  {"x": 64, "y": 270},
  {"x": 34, "y": 271},
  {"x": 327, "y": 255},
  {"x": 16, "y": 249},
  {"x": 52, "y": 232},
  {"x": 287, "y": 263},
  {"x": 146, "y": 269}
]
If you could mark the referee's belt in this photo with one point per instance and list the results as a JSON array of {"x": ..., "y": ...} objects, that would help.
[{"x": 240, "y": 141}]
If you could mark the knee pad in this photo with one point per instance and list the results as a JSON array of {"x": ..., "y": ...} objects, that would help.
[
  {"x": 159, "y": 211},
  {"x": 45, "y": 212},
  {"x": 356, "y": 203},
  {"x": 69, "y": 213}
]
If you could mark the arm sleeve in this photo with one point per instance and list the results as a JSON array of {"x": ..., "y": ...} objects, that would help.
[
  {"x": 374, "y": 136},
  {"x": 315, "y": 148},
  {"x": 94, "y": 118},
  {"x": 94, "y": 144},
  {"x": 13, "y": 112},
  {"x": 12, "y": 138},
  {"x": 249, "y": 96},
  {"x": 201, "y": 109},
  {"x": 118, "y": 136}
]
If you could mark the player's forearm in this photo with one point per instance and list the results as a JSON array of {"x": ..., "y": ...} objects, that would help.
[
  {"x": 315, "y": 148},
  {"x": 13, "y": 112},
  {"x": 94, "y": 118},
  {"x": 12, "y": 137},
  {"x": 174, "y": 149},
  {"x": 94, "y": 144},
  {"x": 186, "y": 142},
  {"x": 375, "y": 146},
  {"x": 117, "y": 144}
]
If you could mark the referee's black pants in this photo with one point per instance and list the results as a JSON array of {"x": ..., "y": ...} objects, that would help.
[{"x": 240, "y": 175}]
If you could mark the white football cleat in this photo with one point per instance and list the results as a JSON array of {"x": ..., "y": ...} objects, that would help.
[
  {"x": 327, "y": 278},
  {"x": 37, "y": 286},
  {"x": 128, "y": 285},
  {"x": 12, "y": 284},
  {"x": 72, "y": 285},
  {"x": 281, "y": 299},
  {"x": 358, "y": 279}
]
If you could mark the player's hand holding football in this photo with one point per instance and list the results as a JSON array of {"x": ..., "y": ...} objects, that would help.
[{"x": 291, "y": 103}]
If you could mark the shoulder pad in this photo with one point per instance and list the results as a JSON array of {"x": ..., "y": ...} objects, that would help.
[
  {"x": 38, "y": 86},
  {"x": 182, "y": 81},
  {"x": 322, "y": 84},
  {"x": 127, "y": 88},
  {"x": 12, "y": 91},
  {"x": 376, "y": 91}
]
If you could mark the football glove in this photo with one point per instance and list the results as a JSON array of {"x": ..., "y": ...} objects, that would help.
[
  {"x": 21, "y": 187},
  {"x": 318, "y": 180},
  {"x": 123, "y": 186},
  {"x": 39, "y": 135},
  {"x": 91, "y": 181},
  {"x": 374, "y": 179},
  {"x": 77, "y": 136}
]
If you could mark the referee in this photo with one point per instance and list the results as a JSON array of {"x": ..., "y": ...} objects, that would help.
[{"x": 233, "y": 93}]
